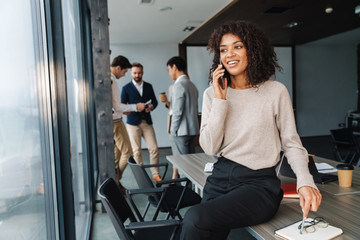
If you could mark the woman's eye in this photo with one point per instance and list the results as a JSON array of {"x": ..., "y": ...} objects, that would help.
[
  {"x": 238, "y": 47},
  {"x": 222, "y": 50}
]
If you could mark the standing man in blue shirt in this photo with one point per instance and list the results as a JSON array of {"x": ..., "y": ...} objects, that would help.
[{"x": 139, "y": 124}]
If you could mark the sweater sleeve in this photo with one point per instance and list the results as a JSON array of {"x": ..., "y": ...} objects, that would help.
[
  {"x": 291, "y": 144},
  {"x": 212, "y": 123}
]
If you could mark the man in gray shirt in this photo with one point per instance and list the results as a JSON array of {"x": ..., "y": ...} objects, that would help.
[{"x": 184, "y": 110}]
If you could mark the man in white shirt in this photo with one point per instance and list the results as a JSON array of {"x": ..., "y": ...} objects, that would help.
[{"x": 122, "y": 146}]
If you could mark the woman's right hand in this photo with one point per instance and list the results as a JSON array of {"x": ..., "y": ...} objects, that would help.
[{"x": 218, "y": 74}]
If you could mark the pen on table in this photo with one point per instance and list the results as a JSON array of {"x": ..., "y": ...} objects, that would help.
[
  {"x": 302, "y": 225},
  {"x": 302, "y": 222}
]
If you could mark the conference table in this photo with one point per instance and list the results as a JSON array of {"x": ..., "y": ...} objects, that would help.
[{"x": 340, "y": 206}]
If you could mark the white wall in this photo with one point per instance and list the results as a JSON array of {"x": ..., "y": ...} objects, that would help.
[
  {"x": 153, "y": 57},
  {"x": 199, "y": 61},
  {"x": 325, "y": 85},
  {"x": 285, "y": 62}
]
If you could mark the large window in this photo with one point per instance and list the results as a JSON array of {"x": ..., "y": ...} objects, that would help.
[
  {"x": 46, "y": 123},
  {"x": 26, "y": 157},
  {"x": 77, "y": 113}
]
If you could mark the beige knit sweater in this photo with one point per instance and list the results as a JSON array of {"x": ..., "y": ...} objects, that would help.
[{"x": 251, "y": 126}]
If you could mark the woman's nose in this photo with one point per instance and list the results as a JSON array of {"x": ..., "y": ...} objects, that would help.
[{"x": 230, "y": 53}]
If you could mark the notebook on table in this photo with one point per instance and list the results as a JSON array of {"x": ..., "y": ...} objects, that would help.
[
  {"x": 322, "y": 178},
  {"x": 292, "y": 232},
  {"x": 290, "y": 190}
]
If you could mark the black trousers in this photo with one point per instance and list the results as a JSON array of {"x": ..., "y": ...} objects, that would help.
[{"x": 234, "y": 196}]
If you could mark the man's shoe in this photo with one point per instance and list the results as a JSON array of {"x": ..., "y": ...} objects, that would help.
[{"x": 157, "y": 178}]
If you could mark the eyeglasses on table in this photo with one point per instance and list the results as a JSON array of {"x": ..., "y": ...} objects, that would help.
[{"x": 310, "y": 226}]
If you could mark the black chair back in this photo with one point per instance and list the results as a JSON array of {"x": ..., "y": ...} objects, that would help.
[
  {"x": 142, "y": 178},
  {"x": 116, "y": 207},
  {"x": 176, "y": 196},
  {"x": 356, "y": 159},
  {"x": 343, "y": 144},
  {"x": 119, "y": 211}
]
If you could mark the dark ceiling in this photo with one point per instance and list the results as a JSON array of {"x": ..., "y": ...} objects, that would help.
[{"x": 273, "y": 15}]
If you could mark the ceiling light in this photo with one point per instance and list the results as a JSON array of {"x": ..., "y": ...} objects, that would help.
[
  {"x": 357, "y": 9},
  {"x": 278, "y": 9},
  {"x": 329, "y": 9},
  {"x": 188, "y": 28},
  {"x": 291, "y": 25},
  {"x": 146, "y": 2},
  {"x": 165, "y": 9}
]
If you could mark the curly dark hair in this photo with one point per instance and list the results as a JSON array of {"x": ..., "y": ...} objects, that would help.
[{"x": 262, "y": 60}]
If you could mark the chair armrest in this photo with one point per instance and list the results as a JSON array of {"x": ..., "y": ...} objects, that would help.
[
  {"x": 343, "y": 142},
  {"x": 130, "y": 192},
  {"x": 176, "y": 180},
  {"x": 155, "y": 165},
  {"x": 152, "y": 224}
]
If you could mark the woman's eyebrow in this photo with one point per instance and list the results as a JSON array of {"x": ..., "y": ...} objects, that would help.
[{"x": 224, "y": 45}]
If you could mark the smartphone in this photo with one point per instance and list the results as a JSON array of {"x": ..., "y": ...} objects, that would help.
[{"x": 221, "y": 80}]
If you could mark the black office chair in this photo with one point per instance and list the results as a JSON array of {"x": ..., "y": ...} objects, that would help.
[
  {"x": 119, "y": 211},
  {"x": 356, "y": 160},
  {"x": 176, "y": 196},
  {"x": 343, "y": 145}
]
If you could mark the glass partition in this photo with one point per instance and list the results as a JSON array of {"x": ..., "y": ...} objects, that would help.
[
  {"x": 77, "y": 111},
  {"x": 26, "y": 161}
]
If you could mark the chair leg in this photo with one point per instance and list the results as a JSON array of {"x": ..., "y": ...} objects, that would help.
[
  {"x": 173, "y": 235},
  {"x": 179, "y": 216},
  {"x": 353, "y": 160},
  {"x": 173, "y": 214},
  {"x": 146, "y": 209}
]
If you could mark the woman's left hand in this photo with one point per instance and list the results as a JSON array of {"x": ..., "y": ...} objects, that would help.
[{"x": 310, "y": 199}]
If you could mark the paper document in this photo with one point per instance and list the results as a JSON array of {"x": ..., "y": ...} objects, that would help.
[
  {"x": 325, "y": 168},
  {"x": 292, "y": 232},
  {"x": 148, "y": 102},
  {"x": 209, "y": 167}
]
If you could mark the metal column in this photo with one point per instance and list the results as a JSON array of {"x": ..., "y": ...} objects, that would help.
[{"x": 102, "y": 88}]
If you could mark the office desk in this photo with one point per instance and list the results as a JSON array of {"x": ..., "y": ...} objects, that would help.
[
  {"x": 342, "y": 210},
  {"x": 334, "y": 187},
  {"x": 192, "y": 165}
]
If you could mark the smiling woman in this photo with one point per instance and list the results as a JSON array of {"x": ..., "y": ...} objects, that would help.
[
  {"x": 252, "y": 41},
  {"x": 246, "y": 123}
]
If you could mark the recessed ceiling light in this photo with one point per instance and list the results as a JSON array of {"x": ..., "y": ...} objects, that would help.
[
  {"x": 357, "y": 9},
  {"x": 278, "y": 9},
  {"x": 188, "y": 28},
  {"x": 329, "y": 9},
  {"x": 291, "y": 25},
  {"x": 146, "y": 2},
  {"x": 165, "y": 9}
]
